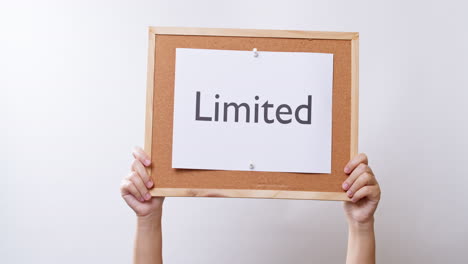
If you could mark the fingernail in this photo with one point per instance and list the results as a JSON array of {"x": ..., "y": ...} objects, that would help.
[
  {"x": 149, "y": 184},
  {"x": 346, "y": 169},
  {"x": 345, "y": 186},
  {"x": 147, "y": 162},
  {"x": 349, "y": 193},
  {"x": 147, "y": 196}
]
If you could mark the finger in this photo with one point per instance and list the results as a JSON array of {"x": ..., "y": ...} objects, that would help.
[
  {"x": 353, "y": 163},
  {"x": 131, "y": 200},
  {"x": 138, "y": 182},
  {"x": 371, "y": 192},
  {"x": 128, "y": 187},
  {"x": 363, "y": 180},
  {"x": 141, "y": 155},
  {"x": 361, "y": 168},
  {"x": 138, "y": 167}
]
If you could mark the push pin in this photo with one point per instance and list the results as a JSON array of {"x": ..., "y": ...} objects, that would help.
[
  {"x": 252, "y": 166},
  {"x": 255, "y": 52}
]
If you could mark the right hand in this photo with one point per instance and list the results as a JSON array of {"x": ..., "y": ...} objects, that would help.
[
  {"x": 363, "y": 189},
  {"x": 135, "y": 187}
]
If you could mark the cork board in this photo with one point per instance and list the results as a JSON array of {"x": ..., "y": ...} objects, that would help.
[{"x": 253, "y": 184}]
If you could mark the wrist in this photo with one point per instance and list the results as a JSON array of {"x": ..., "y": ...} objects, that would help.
[
  {"x": 150, "y": 219},
  {"x": 361, "y": 226}
]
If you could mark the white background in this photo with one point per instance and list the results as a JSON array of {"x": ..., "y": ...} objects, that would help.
[
  {"x": 237, "y": 76},
  {"x": 72, "y": 103}
]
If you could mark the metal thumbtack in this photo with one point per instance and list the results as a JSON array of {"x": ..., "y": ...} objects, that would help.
[
  {"x": 252, "y": 166},
  {"x": 255, "y": 52}
]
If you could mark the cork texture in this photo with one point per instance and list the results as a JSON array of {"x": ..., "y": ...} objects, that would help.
[{"x": 165, "y": 176}]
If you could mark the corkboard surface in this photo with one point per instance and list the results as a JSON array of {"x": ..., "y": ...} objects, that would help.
[{"x": 165, "y": 176}]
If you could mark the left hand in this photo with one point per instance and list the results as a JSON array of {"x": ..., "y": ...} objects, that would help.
[
  {"x": 136, "y": 186},
  {"x": 363, "y": 189}
]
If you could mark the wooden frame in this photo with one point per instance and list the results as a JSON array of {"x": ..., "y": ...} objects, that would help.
[{"x": 250, "y": 193}]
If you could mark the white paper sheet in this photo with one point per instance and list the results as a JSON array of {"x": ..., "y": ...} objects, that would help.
[{"x": 237, "y": 76}]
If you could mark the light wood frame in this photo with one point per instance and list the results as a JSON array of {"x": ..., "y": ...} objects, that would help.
[{"x": 239, "y": 193}]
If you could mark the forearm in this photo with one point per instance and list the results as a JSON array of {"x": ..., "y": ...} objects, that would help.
[
  {"x": 148, "y": 241},
  {"x": 361, "y": 243}
]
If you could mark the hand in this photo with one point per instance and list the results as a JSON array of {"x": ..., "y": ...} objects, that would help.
[
  {"x": 135, "y": 187},
  {"x": 363, "y": 189}
]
